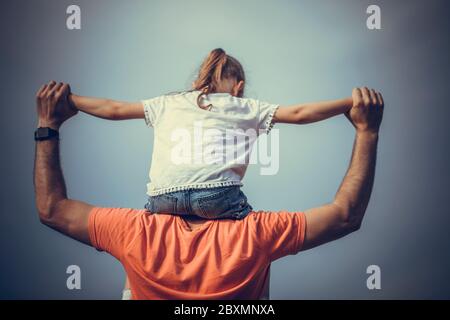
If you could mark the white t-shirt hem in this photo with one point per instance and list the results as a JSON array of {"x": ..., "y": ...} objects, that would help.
[{"x": 200, "y": 185}]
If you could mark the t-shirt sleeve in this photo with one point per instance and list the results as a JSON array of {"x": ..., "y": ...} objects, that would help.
[
  {"x": 152, "y": 110},
  {"x": 279, "y": 234},
  {"x": 113, "y": 229},
  {"x": 265, "y": 113}
]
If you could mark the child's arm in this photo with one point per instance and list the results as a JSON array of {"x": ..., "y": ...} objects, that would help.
[
  {"x": 312, "y": 112},
  {"x": 107, "y": 108}
]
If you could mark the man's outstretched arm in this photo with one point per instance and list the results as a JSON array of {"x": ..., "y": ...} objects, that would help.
[
  {"x": 345, "y": 214},
  {"x": 55, "y": 209}
]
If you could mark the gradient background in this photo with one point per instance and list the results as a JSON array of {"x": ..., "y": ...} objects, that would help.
[{"x": 293, "y": 51}]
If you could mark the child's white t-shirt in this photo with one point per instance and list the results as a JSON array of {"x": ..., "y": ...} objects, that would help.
[{"x": 197, "y": 148}]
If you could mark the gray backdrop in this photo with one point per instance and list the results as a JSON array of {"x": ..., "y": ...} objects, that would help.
[{"x": 293, "y": 51}]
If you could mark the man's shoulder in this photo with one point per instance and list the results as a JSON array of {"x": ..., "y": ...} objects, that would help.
[
  {"x": 264, "y": 214},
  {"x": 119, "y": 214},
  {"x": 263, "y": 218}
]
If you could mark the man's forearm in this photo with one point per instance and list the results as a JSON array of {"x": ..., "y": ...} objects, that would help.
[
  {"x": 49, "y": 182},
  {"x": 318, "y": 111},
  {"x": 354, "y": 193}
]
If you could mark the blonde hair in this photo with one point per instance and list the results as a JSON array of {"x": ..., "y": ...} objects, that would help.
[{"x": 217, "y": 66}]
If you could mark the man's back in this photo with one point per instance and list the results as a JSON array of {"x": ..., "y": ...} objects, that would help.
[{"x": 165, "y": 258}]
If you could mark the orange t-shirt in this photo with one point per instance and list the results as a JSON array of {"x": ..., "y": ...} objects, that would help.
[{"x": 220, "y": 259}]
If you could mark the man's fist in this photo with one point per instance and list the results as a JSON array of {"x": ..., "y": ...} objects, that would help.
[
  {"x": 52, "y": 105},
  {"x": 367, "y": 110}
]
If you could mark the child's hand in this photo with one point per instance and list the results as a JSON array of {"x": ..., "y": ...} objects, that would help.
[
  {"x": 350, "y": 102},
  {"x": 71, "y": 100}
]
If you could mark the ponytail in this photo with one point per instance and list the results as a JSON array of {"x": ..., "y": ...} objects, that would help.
[{"x": 217, "y": 66}]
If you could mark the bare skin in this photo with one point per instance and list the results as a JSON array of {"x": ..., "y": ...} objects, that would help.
[
  {"x": 343, "y": 215},
  {"x": 303, "y": 113}
]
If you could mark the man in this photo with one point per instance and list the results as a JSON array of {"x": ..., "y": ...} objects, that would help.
[{"x": 170, "y": 257}]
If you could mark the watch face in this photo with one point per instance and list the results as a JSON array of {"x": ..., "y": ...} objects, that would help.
[{"x": 43, "y": 132}]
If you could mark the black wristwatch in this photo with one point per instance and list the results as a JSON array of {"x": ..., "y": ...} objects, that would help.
[{"x": 45, "y": 134}]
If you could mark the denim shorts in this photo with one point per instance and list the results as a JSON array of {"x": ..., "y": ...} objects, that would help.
[{"x": 209, "y": 203}]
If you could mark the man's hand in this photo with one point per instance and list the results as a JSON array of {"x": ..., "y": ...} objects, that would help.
[
  {"x": 52, "y": 105},
  {"x": 367, "y": 110}
]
